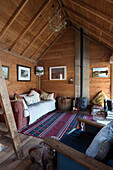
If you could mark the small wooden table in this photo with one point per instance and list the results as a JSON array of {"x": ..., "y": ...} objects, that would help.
[{"x": 64, "y": 104}]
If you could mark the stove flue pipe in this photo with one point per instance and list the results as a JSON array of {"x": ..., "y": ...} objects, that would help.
[{"x": 81, "y": 62}]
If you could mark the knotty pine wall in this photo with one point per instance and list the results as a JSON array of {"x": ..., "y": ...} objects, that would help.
[
  {"x": 99, "y": 57},
  {"x": 12, "y": 84},
  {"x": 63, "y": 54}
]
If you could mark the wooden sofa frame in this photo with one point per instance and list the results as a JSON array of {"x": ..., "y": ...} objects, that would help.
[{"x": 78, "y": 157}]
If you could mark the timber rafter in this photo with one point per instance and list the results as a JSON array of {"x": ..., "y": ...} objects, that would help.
[
  {"x": 13, "y": 17},
  {"x": 24, "y": 24},
  {"x": 92, "y": 33},
  {"x": 51, "y": 45},
  {"x": 110, "y": 1},
  {"x": 89, "y": 21},
  {"x": 93, "y": 11},
  {"x": 36, "y": 36},
  {"x": 38, "y": 49},
  {"x": 31, "y": 22}
]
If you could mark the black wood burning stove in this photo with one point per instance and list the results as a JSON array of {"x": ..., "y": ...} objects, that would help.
[{"x": 81, "y": 102}]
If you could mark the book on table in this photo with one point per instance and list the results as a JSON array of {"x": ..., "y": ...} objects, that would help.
[{"x": 109, "y": 115}]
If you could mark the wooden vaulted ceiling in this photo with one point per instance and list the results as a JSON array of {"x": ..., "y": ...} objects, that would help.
[{"x": 24, "y": 29}]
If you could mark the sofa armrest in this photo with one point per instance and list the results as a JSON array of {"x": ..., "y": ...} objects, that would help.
[
  {"x": 17, "y": 107},
  {"x": 75, "y": 155},
  {"x": 90, "y": 122}
]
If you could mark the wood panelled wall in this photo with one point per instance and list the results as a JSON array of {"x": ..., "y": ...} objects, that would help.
[
  {"x": 61, "y": 54},
  {"x": 12, "y": 84},
  {"x": 99, "y": 57}
]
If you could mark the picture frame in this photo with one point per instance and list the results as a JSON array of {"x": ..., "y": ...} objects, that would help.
[
  {"x": 5, "y": 72},
  {"x": 58, "y": 73},
  {"x": 101, "y": 72},
  {"x": 23, "y": 73}
]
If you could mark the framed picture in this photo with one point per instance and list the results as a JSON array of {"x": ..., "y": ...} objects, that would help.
[
  {"x": 100, "y": 72},
  {"x": 5, "y": 72},
  {"x": 39, "y": 70},
  {"x": 58, "y": 73},
  {"x": 23, "y": 73}
]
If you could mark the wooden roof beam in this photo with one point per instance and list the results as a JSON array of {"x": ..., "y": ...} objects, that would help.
[
  {"x": 91, "y": 38},
  {"x": 60, "y": 3},
  {"x": 51, "y": 45},
  {"x": 16, "y": 55},
  {"x": 42, "y": 44},
  {"x": 33, "y": 40},
  {"x": 93, "y": 11},
  {"x": 13, "y": 17},
  {"x": 36, "y": 36},
  {"x": 42, "y": 40},
  {"x": 93, "y": 33},
  {"x": 90, "y": 22},
  {"x": 31, "y": 22},
  {"x": 110, "y": 1}
]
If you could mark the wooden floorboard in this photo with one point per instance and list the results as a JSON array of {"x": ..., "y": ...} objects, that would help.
[{"x": 8, "y": 161}]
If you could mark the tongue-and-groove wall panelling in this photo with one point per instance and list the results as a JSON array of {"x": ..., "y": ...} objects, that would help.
[
  {"x": 12, "y": 84},
  {"x": 99, "y": 57},
  {"x": 63, "y": 54}
]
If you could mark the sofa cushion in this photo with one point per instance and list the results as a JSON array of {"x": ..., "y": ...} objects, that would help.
[
  {"x": 50, "y": 96},
  {"x": 79, "y": 140},
  {"x": 34, "y": 93},
  {"x": 44, "y": 95},
  {"x": 99, "y": 148},
  {"x": 31, "y": 100},
  {"x": 99, "y": 99}
]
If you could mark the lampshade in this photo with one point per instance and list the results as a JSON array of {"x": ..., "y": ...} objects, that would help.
[{"x": 39, "y": 70}]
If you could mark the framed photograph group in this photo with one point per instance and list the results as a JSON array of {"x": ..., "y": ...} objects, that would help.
[{"x": 23, "y": 73}]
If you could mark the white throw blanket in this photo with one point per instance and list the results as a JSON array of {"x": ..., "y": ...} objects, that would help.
[{"x": 39, "y": 109}]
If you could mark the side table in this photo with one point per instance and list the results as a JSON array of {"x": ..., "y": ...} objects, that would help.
[{"x": 64, "y": 103}]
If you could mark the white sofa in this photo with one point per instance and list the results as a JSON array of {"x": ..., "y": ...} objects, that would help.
[{"x": 24, "y": 116}]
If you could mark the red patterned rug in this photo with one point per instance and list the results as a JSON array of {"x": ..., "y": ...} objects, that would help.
[{"x": 54, "y": 124}]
